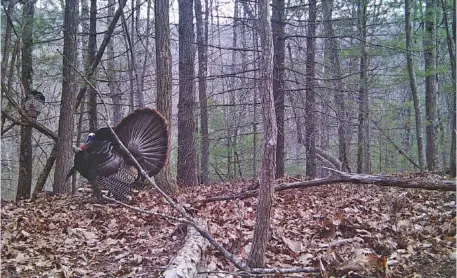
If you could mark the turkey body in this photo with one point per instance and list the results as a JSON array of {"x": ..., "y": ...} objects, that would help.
[{"x": 101, "y": 161}]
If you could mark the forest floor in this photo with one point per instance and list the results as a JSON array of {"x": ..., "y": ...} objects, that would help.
[{"x": 339, "y": 228}]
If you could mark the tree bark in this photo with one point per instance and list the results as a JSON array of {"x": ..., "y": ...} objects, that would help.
[
  {"x": 413, "y": 86},
  {"x": 363, "y": 134},
  {"x": 133, "y": 53},
  {"x": 451, "y": 48},
  {"x": 146, "y": 46},
  {"x": 164, "y": 83},
  {"x": 337, "y": 76},
  {"x": 25, "y": 157},
  {"x": 266, "y": 197},
  {"x": 91, "y": 52},
  {"x": 131, "y": 59},
  {"x": 64, "y": 143},
  {"x": 231, "y": 109},
  {"x": 187, "y": 170},
  {"x": 79, "y": 132},
  {"x": 114, "y": 90},
  {"x": 254, "y": 120},
  {"x": 45, "y": 173},
  {"x": 7, "y": 40},
  {"x": 430, "y": 84},
  {"x": 310, "y": 104},
  {"x": 279, "y": 46},
  {"x": 202, "y": 41}
]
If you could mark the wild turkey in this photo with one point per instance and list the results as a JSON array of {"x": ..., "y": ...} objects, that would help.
[{"x": 101, "y": 161}]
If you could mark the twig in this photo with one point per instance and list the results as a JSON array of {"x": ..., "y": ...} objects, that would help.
[
  {"x": 13, "y": 120},
  {"x": 400, "y": 151},
  {"x": 163, "y": 215}
]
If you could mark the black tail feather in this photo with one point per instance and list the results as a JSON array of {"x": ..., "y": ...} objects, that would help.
[{"x": 145, "y": 134}]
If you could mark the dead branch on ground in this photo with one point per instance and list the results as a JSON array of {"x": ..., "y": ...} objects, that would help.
[{"x": 343, "y": 177}]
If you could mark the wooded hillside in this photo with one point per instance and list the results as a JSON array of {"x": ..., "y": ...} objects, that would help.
[
  {"x": 338, "y": 118},
  {"x": 359, "y": 86}
]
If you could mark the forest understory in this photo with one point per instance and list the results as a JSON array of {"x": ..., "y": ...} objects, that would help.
[{"x": 370, "y": 230}]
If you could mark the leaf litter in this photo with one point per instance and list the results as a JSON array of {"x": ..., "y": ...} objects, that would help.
[{"x": 341, "y": 228}]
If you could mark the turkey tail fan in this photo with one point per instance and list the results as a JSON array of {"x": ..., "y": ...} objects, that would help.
[{"x": 145, "y": 134}]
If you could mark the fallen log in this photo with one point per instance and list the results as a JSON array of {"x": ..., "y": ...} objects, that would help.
[
  {"x": 343, "y": 177},
  {"x": 385, "y": 180},
  {"x": 186, "y": 262}
]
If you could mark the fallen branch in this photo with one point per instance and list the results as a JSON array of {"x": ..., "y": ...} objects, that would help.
[
  {"x": 280, "y": 187},
  {"x": 384, "y": 180},
  {"x": 343, "y": 177},
  {"x": 275, "y": 271},
  {"x": 186, "y": 262}
]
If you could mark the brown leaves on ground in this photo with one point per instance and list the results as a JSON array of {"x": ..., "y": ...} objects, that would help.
[
  {"x": 370, "y": 230},
  {"x": 343, "y": 229},
  {"x": 69, "y": 237}
]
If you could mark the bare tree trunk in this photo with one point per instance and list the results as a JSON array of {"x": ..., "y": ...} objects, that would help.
[
  {"x": 430, "y": 84},
  {"x": 78, "y": 142},
  {"x": 277, "y": 25},
  {"x": 91, "y": 51},
  {"x": 412, "y": 84},
  {"x": 130, "y": 70},
  {"x": 146, "y": 46},
  {"x": 133, "y": 53},
  {"x": 114, "y": 90},
  {"x": 310, "y": 105},
  {"x": 363, "y": 134},
  {"x": 25, "y": 157},
  {"x": 164, "y": 82},
  {"x": 133, "y": 74},
  {"x": 10, "y": 74},
  {"x": 187, "y": 168},
  {"x": 131, "y": 66},
  {"x": 451, "y": 50},
  {"x": 6, "y": 54},
  {"x": 341, "y": 113},
  {"x": 84, "y": 39},
  {"x": 7, "y": 40},
  {"x": 231, "y": 108},
  {"x": 453, "y": 104},
  {"x": 64, "y": 143},
  {"x": 202, "y": 41},
  {"x": 266, "y": 194},
  {"x": 45, "y": 173},
  {"x": 254, "y": 120},
  {"x": 254, "y": 101}
]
